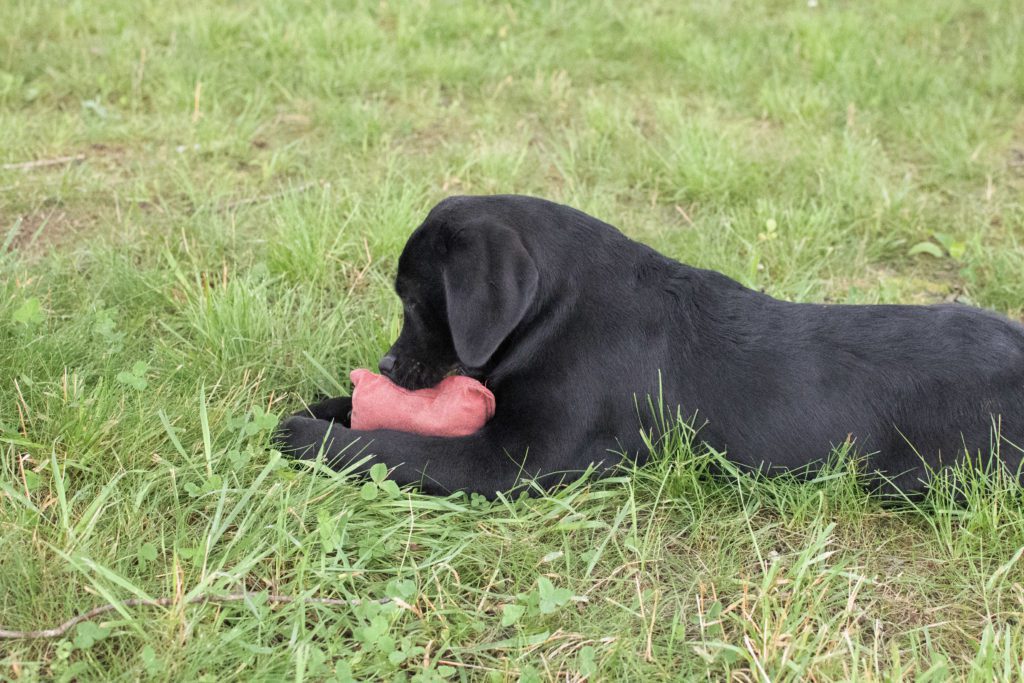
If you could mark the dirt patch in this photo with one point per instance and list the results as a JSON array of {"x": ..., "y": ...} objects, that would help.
[
  {"x": 1016, "y": 160},
  {"x": 39, "y": 231},
  {"x": 34, "y": 224}
]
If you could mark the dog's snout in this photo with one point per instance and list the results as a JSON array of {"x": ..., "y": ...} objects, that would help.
[{"x": 387, "y": 364}]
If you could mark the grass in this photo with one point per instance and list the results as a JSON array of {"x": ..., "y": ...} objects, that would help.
[{"x": 225, "y": 246}]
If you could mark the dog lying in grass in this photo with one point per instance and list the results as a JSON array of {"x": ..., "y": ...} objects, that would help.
[{"x": 572, "y": 326}]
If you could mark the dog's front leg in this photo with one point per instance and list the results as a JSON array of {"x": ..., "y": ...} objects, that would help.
[
  {"x": 440, "y": 465},
  {"x": 338, "y": 409}
]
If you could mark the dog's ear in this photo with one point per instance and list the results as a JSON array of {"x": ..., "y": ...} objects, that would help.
[{"x": 490, "y": 281}]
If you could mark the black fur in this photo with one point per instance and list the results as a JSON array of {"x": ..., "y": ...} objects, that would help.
[{"x": 570, "y": 323}]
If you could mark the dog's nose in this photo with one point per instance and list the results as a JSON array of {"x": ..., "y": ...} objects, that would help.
[{"x": 387, "y": 364}]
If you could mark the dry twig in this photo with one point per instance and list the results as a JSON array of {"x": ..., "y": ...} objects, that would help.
[
  {"x": 229, "y": 206},
  {"x": 42, "y": 163},
  {"x": 58, "y": 631}
]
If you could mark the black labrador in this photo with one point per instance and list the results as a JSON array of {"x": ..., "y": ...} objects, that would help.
[{"x": 573, "y": 326}]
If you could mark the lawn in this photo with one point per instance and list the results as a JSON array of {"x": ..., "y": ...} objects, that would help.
[{"x": 201, "y": 210}]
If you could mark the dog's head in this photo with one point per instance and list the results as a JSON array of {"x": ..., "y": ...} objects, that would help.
[{"x": 465, "y": 285}]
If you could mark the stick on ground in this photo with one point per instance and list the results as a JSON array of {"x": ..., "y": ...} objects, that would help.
[
  {"x": 42, "y": 163},
  {"x": 58, "y": 631}
]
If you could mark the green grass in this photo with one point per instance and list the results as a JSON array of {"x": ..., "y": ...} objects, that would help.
[{"x": 226, "y": 246}]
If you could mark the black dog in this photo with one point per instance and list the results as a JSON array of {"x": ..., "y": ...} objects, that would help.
[{"x": 573, "y": 326}]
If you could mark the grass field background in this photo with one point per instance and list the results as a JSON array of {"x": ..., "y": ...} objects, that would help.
[{"x": 221, "y": 240}]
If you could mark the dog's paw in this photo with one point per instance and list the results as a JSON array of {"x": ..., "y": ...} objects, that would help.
[
  {"x": 292, "y": 437},
  {"x": 304, "y": 438},
  {"x": 337, "y": 409}
]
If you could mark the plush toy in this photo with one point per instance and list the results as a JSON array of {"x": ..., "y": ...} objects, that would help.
[{"x": 456, "y": 407}]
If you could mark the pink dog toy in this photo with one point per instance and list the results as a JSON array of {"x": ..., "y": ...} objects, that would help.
[{"x": 456, "y": 407}]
